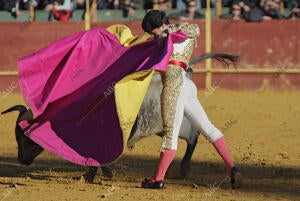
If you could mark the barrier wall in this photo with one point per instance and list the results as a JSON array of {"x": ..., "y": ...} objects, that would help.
[{"x": 268, "y": 45}]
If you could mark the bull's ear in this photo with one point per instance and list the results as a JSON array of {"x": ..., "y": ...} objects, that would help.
[
  {"x": 189, "y": 73},
  {"x": 189, "y": 70}
]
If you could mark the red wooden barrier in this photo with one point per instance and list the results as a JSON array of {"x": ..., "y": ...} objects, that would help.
[{"x": 271, "y": 44}]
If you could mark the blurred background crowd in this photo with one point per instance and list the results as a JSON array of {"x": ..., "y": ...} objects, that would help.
[{"x": 249, "y": 10}]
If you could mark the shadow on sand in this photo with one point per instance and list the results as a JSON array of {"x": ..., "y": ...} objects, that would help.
[{"x": 279, "y": 180}]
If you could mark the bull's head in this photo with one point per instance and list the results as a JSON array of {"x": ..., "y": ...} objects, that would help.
[{"x": 27, "y": 149}]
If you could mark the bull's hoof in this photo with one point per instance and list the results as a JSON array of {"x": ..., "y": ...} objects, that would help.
[
  {"x": 130, "y": 145},
  {"x": 90, "y": 175},
  {"x": 107, "y": 172},
  {"x": 185, "y": 169}
]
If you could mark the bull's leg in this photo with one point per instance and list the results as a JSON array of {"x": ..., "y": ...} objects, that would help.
[
  {"x": 107, "y": 171},
  {"x": 91, "y": 173},
  {"x": 185, "y": 166}
]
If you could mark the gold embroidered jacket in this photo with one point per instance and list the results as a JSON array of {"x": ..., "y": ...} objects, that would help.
[{"x": 183, "y": 51}]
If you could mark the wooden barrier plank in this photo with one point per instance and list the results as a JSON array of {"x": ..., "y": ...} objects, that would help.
[{"x": 272, "y": 44}]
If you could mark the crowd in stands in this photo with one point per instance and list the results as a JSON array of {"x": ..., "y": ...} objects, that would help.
[{"x": 250, "y": 10}]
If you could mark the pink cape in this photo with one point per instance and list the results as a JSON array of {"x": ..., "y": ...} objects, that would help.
[{"x": 69, "y": 87}]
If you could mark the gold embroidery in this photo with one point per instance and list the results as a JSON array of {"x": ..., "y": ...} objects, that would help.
[
  {"x": 173, "y": 80},
  {"x": 183, "y": 51},
  {"x": 172, "y": 84},
  {"x": 190, "y": 30}
]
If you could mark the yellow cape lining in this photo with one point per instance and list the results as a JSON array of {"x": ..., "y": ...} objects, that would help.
[{"x": 131, "y": 90}]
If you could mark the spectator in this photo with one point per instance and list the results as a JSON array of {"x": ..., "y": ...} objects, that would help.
[
  {"x": 138, "y": 4},
  {"x": 10, "y": 6},
  {"x": 245, "y": 9},
  {"x": 148, "y": 4},
  {"x": 127, "y": 7},
  {"x": 181, "y": 4},
  {"x": 23, "y": 4},
  {"x": 189, "y": 13},
  {"x": 226, "y": 3},
  {"x": 80, "y": 4},
  {"x": 101, "y": 4},
  {"x": 162, "y": 4},
  {"x": 240, "y": 7},
  {"x": 271, "y": 9},
  {"x": 106, "y": 4},
  {"x": 295, "y": 10},
  {"x": 43, "y": 5},
  {"x": 14, "y": 6},
  {"x": 62, "y": 10}
]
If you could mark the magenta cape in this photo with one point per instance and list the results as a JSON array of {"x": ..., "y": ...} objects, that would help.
[{"x": 69, "y": 87}]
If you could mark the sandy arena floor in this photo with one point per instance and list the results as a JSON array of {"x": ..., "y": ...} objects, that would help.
[{"x": 262, "y": 130}]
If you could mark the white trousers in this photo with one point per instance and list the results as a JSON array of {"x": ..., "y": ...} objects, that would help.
[{"x": 188, "y": 104}]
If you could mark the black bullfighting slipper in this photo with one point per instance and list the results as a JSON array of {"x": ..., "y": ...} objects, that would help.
[
  {"x": 235, "y": 178},
  {"x": 153, "y": 184}
]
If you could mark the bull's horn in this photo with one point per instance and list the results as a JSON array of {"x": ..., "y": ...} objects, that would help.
[{"x": 20, "y": 108}]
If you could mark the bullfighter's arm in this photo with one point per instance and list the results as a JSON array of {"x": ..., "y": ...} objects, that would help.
[{"x": 190, "y": 30}]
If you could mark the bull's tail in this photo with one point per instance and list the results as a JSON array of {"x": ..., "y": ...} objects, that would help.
[
  {"x": 223, "y": 58},
  {"x": 21, "y": 108}
]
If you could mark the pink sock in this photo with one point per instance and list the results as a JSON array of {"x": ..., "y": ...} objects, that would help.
[
  {"x": 221, "y": 147},
  {"x": 165, "y": 160}
]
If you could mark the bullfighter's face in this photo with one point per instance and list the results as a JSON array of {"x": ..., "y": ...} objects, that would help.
[{"x": 161, "y": 31}]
